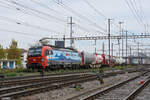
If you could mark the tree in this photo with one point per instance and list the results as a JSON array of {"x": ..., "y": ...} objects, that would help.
[
  {"x": 13, "y": 52},
  {"x": 2, "y": 52}
]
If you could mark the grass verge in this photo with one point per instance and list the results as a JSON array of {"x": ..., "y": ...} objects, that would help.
[{"x": 27, "y": 72}]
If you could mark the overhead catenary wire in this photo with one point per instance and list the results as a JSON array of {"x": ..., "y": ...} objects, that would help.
[
  {"x": 37, "y": 11},
  {"x": 31, "y": 14},
  {"x": 141, "y": 9},
  {"x": 4, "y": 5},
  {"x": 79, "y": 15},
  {"x": 20, "y": 33},
  {"x": 36, "y": 15},
  {"x": 45, "y": 6},
  {"x": 7, "y": 5},
  {"x": 132, "y": 9},
  {"x": 81, "y": 27},
  {"x": 136, "y": 11},
  {"x": 19, "y": 22},
  {"x": 96, "y": 10},
  {"x": 33, "y": 26},
  {"x": 143, "y": 15},
  {"x": 23, "y": 10}
]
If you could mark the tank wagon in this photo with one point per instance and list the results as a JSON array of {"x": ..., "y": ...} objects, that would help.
[{"x": 52, "y": 57}]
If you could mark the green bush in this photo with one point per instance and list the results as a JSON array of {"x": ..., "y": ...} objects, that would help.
[
  {"x": 11, "y": 74},
  {"x": 20, "y": 74},
  {"x": 101, "y": 70},
  {"x": 20, "y": 70},
  {"x": 78, "y": 88}
]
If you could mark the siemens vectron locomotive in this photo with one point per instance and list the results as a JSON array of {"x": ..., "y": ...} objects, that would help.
[{"x": 52, "y": 57}]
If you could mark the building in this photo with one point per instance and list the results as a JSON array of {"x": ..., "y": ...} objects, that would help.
[
  {"x": 11, "y": 63},
  {"x": 7, "y": 64},
  {"x": 23, "y": 57}
]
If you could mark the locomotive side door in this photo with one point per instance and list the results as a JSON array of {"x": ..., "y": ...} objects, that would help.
[
  {"x": 50, "y": 52},
  {"x": 49, "y": 56}
]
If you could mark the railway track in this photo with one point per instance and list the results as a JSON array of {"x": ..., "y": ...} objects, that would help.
[
  {"x": 24, "y": 87},
  {"x": 143, "y": 88},
  {"x": 62, "y": 74},
  {"x": 46, "y": 85},
  {"x": 9, "y": 83},
  {"x": 35, "y": 79},
  {"x": 24, "y": 90},
  {"x": 125, "y": 90},
  {"x": 39, "y": 76}
]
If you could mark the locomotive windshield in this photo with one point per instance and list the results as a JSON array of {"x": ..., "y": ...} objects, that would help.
[{"x": 35, "y": 51}]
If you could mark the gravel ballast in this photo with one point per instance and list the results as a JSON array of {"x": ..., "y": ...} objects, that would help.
[{"x": 70, "y": 91}]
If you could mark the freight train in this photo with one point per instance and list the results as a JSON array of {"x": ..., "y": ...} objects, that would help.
[{"x": 52, "y": 57}]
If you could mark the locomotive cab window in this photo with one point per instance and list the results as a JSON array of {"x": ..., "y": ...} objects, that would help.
[
  {"x": 46, "y": 52},
  {"x": 50, "y": 52},
  {"x": 36, "y": 51}
]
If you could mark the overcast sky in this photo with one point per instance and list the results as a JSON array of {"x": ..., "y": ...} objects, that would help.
[{"x": 27, "y": 21}]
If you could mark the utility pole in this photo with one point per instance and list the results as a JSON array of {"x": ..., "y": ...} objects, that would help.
[
  {"x": 103, "y": 48},
  {"x": 119, "y": 46},
  {"x": 130, "y": 51},
  {"x": 122, "y": 45},
  {"x": 64, "y": 40},
  {"x": 112, "y": 49},
  {"x": 109, "y": 38},
  {"x": 71, "y": 40},
  {"x": 71, "y": 32},
  {"x": 138, "y": 53},
  {"x": 126, "y": 46},
  {"x": 121, "y": 33},
  {"x": 95, "y": 46}
]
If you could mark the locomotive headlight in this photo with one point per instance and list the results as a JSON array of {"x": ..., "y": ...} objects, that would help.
[{"x": 42, "y": 59}]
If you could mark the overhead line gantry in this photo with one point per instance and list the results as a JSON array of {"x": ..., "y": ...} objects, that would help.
[{"x": 100, "y": 37}]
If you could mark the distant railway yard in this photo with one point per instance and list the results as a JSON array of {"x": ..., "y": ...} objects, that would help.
[{"x": 75, "y": 86}]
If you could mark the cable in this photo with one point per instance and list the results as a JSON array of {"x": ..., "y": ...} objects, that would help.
[
  {"x": 141, "y": 10},
  {"x": 142, "y": 14},
  {"x": 32, "y": 14},
  {"x": 57, "y": 12},
  {"x": 38, "y": 3},
  {"x": 26, "y": 24},
  {"x": 20, "y": 33},
  {"x": 23, "y": 11},
  {"x": 79, "y": 15},
  {"x": 47, "y": 7},
  {"x": 7, "y": 5},
  {"x": 134, "y": 13},
  {"x": 93, "y": 30},
  {"x": 37, "y": 11},
  {"x": 101, "y": 14},
  {"x": 28, "y": 13},
  {"x": 97, "y": 11}
]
